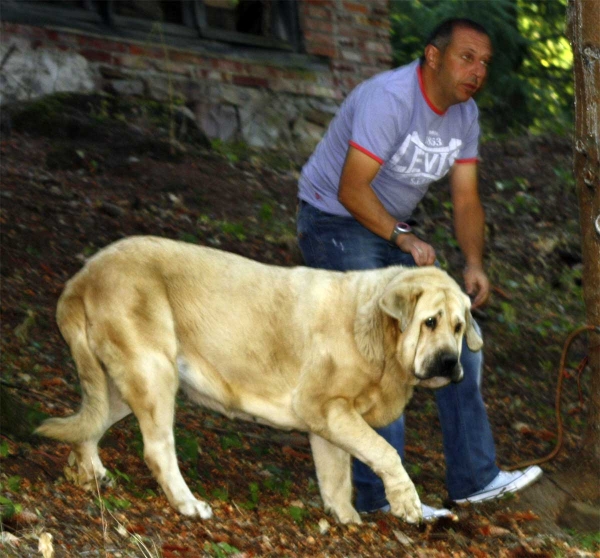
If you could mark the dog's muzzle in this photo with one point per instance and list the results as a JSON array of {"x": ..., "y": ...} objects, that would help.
[{"x": 443, "y": 369}]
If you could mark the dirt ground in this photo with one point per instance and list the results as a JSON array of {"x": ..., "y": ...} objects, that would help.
[{"x": 95, "y": 175}]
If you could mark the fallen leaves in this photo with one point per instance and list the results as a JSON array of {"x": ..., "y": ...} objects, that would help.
[
  {"x": 40, "y": 250},
  {"x": 45, "y": 545}
]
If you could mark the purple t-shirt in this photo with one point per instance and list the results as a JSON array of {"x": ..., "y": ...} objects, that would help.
[{"x": 389, "y": 118}]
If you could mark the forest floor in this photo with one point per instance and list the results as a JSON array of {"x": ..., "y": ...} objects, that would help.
[{"x": 96, "y": 173}]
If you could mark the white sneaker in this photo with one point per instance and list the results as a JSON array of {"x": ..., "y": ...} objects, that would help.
[
  {"x": 429, "y": 513},
  {"x": 506, "y": 482}
]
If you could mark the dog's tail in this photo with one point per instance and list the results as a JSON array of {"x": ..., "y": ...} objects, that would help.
[{"x": 89, "y": 422}]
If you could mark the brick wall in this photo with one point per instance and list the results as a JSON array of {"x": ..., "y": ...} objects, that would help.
[
  {"x": 353, "y": 34},
  {"x": 240, "y": 90}
]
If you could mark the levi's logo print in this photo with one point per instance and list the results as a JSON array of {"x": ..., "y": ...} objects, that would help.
[{"x": 422, "y": 161}]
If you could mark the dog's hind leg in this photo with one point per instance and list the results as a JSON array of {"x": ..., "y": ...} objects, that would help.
[
  {"x": 150, "y": 387},
  {"x": 333, "y": 468},
  {"x": 90, "y": 470},
  {"x": 101, "y": 404}
]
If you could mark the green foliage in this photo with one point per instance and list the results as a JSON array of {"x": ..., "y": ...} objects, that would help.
[
  {"x": 548, "y": 67},
  {"x": 8, "y": 508},
  {"x": 508, "y": 316},
  {"x": 278, "y": 485},
  {"x": 530, "y": 81},
  {"x": 231, "y": 441},
  {"x": 566, "y": 177},
  {"x": 188, "y": 451},
  {"x": 232, "y": 151},
  {"x": 4, "y": 449},
  {"x": 220, "y": 494},
  {"x": 188, "y": 237},
  {"x": 14, "y": 483},
  {"x": 587, "y": 541},
  {"x": 220, "y": 550},
  {"x": 297, "y": 513},
  {"x": 235, "y": 230},
  {"x": 112, "y": 503},
  {"x": 252, "y": 503}
]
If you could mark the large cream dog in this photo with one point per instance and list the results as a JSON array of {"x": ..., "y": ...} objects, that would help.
[{"x": 334, "y": 354}]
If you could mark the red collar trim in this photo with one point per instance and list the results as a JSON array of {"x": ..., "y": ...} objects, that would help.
[{"x": 422, "y": 88}]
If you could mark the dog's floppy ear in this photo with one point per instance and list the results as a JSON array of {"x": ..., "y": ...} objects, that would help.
[
  {"x": 399, "y": 302},
  {"x": 474, "y": 340}
]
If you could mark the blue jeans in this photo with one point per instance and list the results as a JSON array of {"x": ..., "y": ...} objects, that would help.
[{"x": 342, "y": 243}]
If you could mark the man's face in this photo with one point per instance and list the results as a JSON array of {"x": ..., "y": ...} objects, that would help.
[{"x": 462, "y": 68}]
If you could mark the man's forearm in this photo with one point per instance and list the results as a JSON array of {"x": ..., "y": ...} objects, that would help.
[
  {"x": 469, "y": 225},
  {"x": 364, "y": 205}
]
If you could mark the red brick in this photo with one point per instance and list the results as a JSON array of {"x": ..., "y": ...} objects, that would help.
[
  {"x": 317, "y": 13},
  {"x": 185, "y": 57},
  {"x": 321, "y": 26},
  {"x": 342, "y": 67},
  {"x": 63, "y": 38},
  {"x": 250, "y": 81},
  {"x": 131, "y": 62},
  {"x": 143, "y": 51},
  {"x": 346, "y": 30},
  {"x": 52, "y": 35},
  {"x": 9, "y": 27},
  {"x": 323, "y": 38},
  {"x": 376, "y": 46},
  {"x": 97, "y": 56},
  {"x": 354, "y": 7},
  {"x": 319, "y": 49},
  {"x": 101, "y": 44}
]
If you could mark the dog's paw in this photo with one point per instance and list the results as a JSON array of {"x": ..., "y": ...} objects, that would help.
[
  {"x": 346, "y": 515},
  {"x": 405, "y": 503},
  {"x": 196, "y": 508},
  {"x": 90, "y": 477}
]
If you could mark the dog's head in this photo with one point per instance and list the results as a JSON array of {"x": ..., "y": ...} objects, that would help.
[{"x": 433, "y": 315}]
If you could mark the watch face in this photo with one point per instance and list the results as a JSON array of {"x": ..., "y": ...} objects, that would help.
[{"x": 403, "y": 227}]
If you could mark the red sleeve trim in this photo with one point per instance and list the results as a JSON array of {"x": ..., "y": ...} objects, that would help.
[
  {"x": 463, "y": 161},
  {"x": 366, "y": 152}
]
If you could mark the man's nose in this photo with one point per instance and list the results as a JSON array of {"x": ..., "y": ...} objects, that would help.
[{"x": 479, "y": 70}]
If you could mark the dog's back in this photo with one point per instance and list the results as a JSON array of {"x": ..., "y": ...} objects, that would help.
[{"x": 214, "y": 318}]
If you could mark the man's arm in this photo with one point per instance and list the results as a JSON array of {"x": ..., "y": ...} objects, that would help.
[
  {"x": 358, "y": 197},
  {"x": 469, "y": 227}
]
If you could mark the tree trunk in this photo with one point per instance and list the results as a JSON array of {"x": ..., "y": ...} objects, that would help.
[
  {"x": 584, "y": 34},
  {"x": 571, "y": 497}
]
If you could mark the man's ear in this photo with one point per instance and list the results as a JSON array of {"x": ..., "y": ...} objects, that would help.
[
  {"x": 432, "y": 56},
  {"x": 399, "y": 302},
  {"x": 474, "y": 340}
]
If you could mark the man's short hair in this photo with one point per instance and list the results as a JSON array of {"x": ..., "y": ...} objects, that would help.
[{"x": 441, "y": 36}]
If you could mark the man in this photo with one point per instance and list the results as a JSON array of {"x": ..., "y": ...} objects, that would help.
[{"x": 393, "y": 136}]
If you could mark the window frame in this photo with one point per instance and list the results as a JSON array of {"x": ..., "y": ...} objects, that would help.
[{"x": 98, "y": 16}]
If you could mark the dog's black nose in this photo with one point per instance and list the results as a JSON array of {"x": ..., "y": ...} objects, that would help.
[{"x": 448, "y": 364}]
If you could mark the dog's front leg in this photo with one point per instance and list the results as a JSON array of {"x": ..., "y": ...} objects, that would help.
[
  {"x": 335, "y": 479},
  {"x": 339, "y": 423}
]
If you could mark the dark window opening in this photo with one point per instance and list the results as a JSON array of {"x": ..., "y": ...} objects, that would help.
[{"x": 263, "y": 23}]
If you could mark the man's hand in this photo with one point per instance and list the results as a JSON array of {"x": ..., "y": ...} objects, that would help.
[
  {"x": 477, "y": 285},
  {"x": 422, "y": 253}
]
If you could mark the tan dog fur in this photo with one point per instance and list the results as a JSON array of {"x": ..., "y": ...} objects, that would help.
[{"x": 330, "y": 353}]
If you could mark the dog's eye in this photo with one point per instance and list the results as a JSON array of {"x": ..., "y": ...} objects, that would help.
[
  {"x": 431, "y": 323},
  {"x": 458, "y": 328}
]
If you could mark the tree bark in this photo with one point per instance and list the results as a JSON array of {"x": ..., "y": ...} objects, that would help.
[
  {"x": 571, "y": 497},
  {"x": 584, "y": 35}
]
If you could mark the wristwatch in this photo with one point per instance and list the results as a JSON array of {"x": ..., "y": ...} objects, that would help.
[{"x": 399, "y": 228}]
